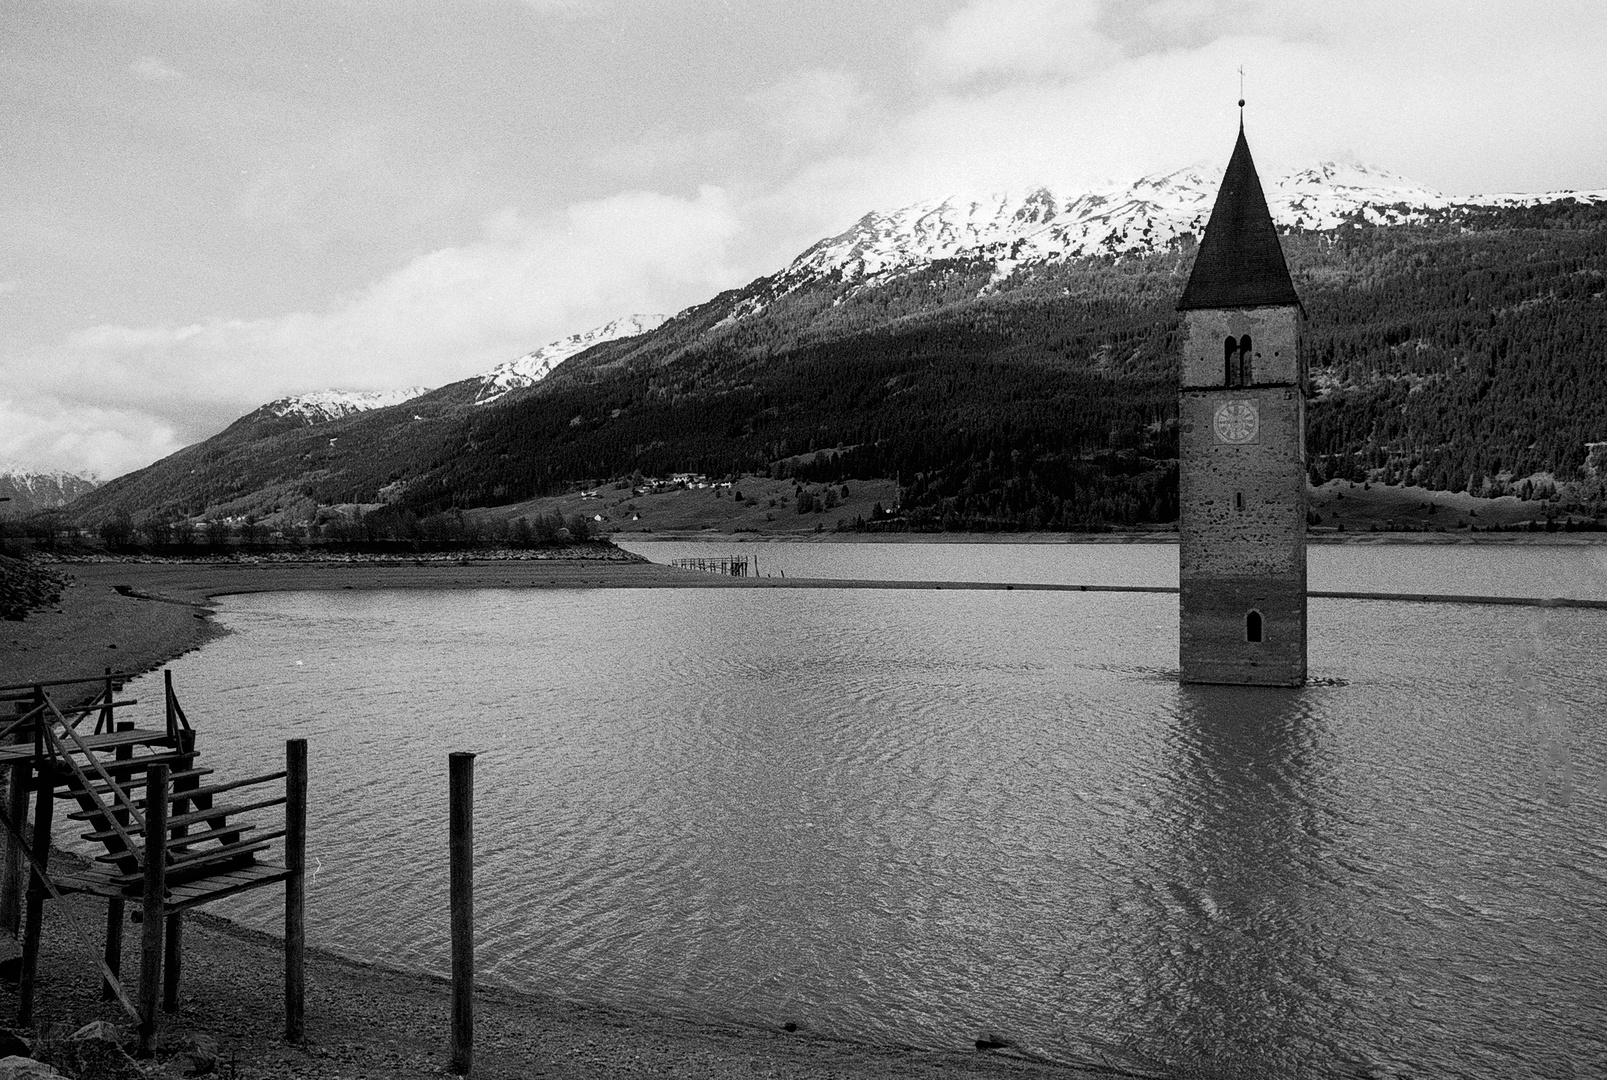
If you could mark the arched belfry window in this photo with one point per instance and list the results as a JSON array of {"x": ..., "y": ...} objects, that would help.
[
  {"x": 1236, "y": 361},
  {"x": 1252, "y": 626}
]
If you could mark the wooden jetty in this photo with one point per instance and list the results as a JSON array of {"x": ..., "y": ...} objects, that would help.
[
  {"x": 170, "y": 844},
  {"x": 732, "y": 565}
]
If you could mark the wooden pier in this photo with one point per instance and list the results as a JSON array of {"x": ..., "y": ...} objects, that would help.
[
  {"x": 731, "y": 565},
  {"x": 169, "y": 843}
]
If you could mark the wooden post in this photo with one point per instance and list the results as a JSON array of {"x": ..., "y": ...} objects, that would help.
[
  {"x": 172, "y": 962},
  {"x": 43, "y": 810},
  {"x": 114, "y": 945},
  {"x": 295, "y": 888},
  {"x": 461, "y": 859},
  {"x": 13, "y": 868},
  {"x": 115, "y": 910},
  {"x": 155, "y": 904},
  {"x": 104, "y": 721},
  {"x": 167, "y": 701}
]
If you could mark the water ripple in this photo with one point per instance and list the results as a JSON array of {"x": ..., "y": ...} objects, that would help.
[{"x": 930, "y": 817}]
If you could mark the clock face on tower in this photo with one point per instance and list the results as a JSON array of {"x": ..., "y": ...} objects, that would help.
[{"x": 1236, "y": 422}]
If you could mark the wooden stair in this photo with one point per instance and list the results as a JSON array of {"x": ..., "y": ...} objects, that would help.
[
  {"x": 105, "y": 773},
  {"x": 169, "y": 842}
]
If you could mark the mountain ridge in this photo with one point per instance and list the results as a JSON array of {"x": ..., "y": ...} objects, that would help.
[
  {"x": 26, "y": 491},
  {"x": 998, "y": 386}
]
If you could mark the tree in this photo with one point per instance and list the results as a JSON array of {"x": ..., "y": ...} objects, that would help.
[{"x": 117, "y": 531}]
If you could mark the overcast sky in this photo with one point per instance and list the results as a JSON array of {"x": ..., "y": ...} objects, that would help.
[{"x": 208, "y": 204}]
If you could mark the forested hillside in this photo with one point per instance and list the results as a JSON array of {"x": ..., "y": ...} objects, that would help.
[
  {"x": 1469, "y": 353},
  {"x": 1447, "y": 354}
]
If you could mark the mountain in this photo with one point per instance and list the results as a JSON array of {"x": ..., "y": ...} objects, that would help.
[
  {"x": 1011, "y": 361},
  {"x": 1150, "y": 214},
  {"x": 31, "y": 491},
  {"x": 287, "y": 458},
  {"x": 532, "y": 367},
  {"x": 321, "y": 406}
]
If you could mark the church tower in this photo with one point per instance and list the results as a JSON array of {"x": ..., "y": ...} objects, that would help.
[{"x": 1241, "y": 449}]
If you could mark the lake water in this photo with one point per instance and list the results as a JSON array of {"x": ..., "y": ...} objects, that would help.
[
  {"x": 927, "y": 817},
  {"x": 1577, "y": 571}
]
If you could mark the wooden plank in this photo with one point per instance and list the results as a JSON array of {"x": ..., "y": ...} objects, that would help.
[
  {"x": 198, "y": 815},
  {"x": 141, "y": 764},
  {"x": 181, "y": 895},
  {"x": 104, "y": 741},
  {"x": 201, "y": 859},
  {"x": 217, "y": 789},
  {"x": 187, "y": 793},
  {"x": 194, "y": 894},
  {"x": 121, "y": 676},
  {"x": 182, "y": 842},
  {"x": 102, "y": 789}
]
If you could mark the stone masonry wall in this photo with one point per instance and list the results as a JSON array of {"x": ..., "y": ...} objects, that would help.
[
  {"x": 1242, "y": 480},
  {"x": 1274, "y": 345}
]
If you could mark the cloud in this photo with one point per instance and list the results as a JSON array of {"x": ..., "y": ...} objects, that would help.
[
  {"x": 155, "y": 69},
  {"x": 1023, "y": 92},
  {"x": 42, "y": 434},
  {"x": 1012, "y": 38},
  {"x": 444, "y": 316},
  {"x": 812, "y": 106}
]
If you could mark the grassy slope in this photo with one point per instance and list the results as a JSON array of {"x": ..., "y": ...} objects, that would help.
[
  {"x": 1357, "y": 507},
  {"x": 1406, "y": 508},
  {"x": 695, "y": 510}
]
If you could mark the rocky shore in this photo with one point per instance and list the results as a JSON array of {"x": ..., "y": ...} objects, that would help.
[{"x": 365, "y": 1021}]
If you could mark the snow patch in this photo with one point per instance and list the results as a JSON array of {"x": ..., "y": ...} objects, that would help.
[
  {"x": 531, "y": 368},
  {"x": 1150, "y": 214},
  {"x": 324, "y": 405}
]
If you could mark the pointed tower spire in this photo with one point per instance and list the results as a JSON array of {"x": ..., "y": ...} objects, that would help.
[{"x": 1240, "y": 262}]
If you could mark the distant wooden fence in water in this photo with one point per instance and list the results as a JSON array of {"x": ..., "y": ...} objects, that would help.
[{"x": 732, "y": 565}]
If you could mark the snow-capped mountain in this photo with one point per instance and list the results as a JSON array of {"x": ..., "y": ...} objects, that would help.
[
  {"x": 532, "y": 367},
  {"x": 323, "y": 405},
  {"x": 1149, "y": 214},
  {"x": 24, "y": 491}
]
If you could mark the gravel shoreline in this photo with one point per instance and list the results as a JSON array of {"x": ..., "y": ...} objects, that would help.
[{"x": 362, "y": 1020}]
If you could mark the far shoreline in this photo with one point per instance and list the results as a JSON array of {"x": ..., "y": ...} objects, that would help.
[{"x": 1159, "y": 536}]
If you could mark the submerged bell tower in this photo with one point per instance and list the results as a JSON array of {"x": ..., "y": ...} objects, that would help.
[{"x": 1241, "y": 449}]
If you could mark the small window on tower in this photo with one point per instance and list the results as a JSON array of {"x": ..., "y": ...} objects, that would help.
[
  {"x": 1252, "y": 626},
  {"x": 1230, "y": 367},
  {"x": 1244, "y": 361},
  {"x": 1238, "y": 501}
]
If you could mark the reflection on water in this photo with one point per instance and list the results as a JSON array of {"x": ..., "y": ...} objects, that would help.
[
  {"x": 923, "y": 817},
  {"x": 1237, "y": 959}
]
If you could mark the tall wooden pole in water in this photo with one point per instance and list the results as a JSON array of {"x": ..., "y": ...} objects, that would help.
[
  {"x": 461, "y": 858},
  {"x": 295, "y": 887}
]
